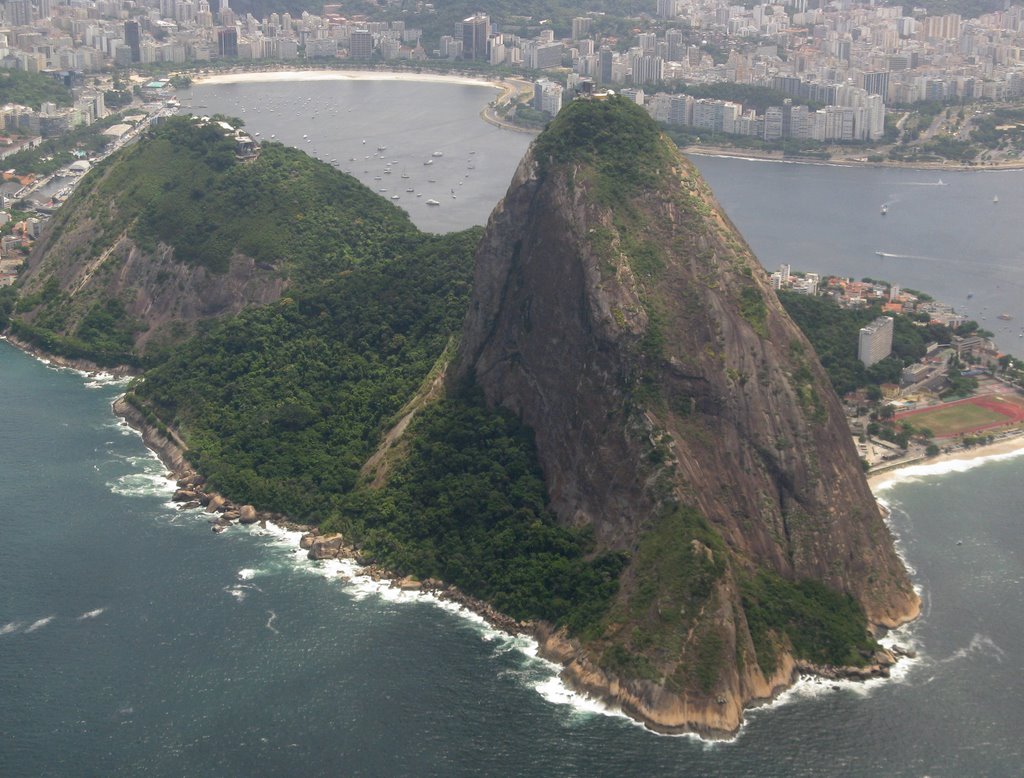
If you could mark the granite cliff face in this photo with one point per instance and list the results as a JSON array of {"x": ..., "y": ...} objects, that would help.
[{"x": 678, "y": 411}]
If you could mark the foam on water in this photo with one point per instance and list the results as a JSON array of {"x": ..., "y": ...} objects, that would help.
[
  {"x": 91, "y": 614},
  {"x": 246, "y": 574},
  {"x": 270, "y": 622},
  {"x": 981, "y": 645},
  {"x": 241, "y": 591},
  {"x": 10, "y": 627},
  {"x": 39, "y": 624}
]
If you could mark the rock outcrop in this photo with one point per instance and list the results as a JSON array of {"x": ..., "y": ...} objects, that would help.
[{"x": 619, "y": 313}]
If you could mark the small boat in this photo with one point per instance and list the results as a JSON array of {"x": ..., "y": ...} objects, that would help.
[
  {"x": 995, "y": 198},
  {"x": 394, "y": 197},
  {"x": 437, "y": 154},
  {"x": 1005, "y": 317},
  {"x": 885, "y": 210},
  {"x": 410, "y": 189},
  {"x": 433, "y": 202},
  {"x": 429, "y": 162},
  {"x": 382, "y": 148}
]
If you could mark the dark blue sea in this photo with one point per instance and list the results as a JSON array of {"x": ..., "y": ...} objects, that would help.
[{"x": 134, "y": 641}]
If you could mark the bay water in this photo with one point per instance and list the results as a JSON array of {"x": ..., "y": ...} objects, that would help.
[{"x": 134, "y": 641}]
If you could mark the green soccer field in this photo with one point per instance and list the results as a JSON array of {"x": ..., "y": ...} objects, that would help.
[{"x": 954, "y": 419}]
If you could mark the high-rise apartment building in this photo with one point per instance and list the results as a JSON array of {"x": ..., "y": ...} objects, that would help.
[
  {"x": 475, "y": 31},
  {"x": 132, "y": 39},
  {"x": 875, "y": 341},
  {"x": 361, "y": 44}
]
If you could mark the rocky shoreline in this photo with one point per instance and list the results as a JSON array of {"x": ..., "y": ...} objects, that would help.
[{"x": 721, "y": 719}]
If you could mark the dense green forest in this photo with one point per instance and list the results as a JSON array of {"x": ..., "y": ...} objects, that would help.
[
  {"x": 468, "y": 505},
  {"x": 283, "y": 404},
  {"x": 185, "y": 188},
  {"x": 31, "y": 89}
]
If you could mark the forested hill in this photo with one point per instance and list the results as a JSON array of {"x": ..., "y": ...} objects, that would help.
[{"x": 177, "y": 229}]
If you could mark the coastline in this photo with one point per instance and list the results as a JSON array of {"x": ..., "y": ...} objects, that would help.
[
  {"x": 755, "y": 155},
  {"x": 284, "y": 75},
  {"x": 577, "y": 674},
  {"x": 511, "y": 84},
  {"x": 951, "y": 462}
]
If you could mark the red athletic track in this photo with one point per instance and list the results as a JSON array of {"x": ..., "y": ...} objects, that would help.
[{"x": 1013, "y": 411}]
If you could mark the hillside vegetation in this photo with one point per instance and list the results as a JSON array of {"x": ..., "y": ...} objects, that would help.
[
  {"x": 159, "y": 224},
  {"x": 31, "y": 89}
]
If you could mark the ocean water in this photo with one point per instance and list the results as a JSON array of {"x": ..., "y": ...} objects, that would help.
[{"x": 134, "y": 641}]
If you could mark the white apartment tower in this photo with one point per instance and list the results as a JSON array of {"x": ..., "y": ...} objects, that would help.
[{"x": 875, "y": 342}]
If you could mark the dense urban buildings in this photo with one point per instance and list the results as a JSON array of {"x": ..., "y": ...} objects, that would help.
[{"x": 842, "y": 66}]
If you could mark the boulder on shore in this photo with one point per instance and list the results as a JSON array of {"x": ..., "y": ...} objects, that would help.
[
  {"x": 326, "y": 547},
  {"x": 247, "y": 514},
  {"x": 215, "y": 504},
  {"x": 410, "y": 584}
]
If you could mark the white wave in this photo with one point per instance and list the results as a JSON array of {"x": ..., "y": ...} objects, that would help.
[
  {"x": 10, "y": 627},
  {"x": 270, "y": 623},
  {"x": 103, "y": 380},
  {"x": 238, "y": 592},
  {"x": 142, "y": 485},
  {"x": 945, "y": 467},
  {"x": 246, "y": 574},
  {"x": 39, "y": 624},
  {"x": 557, "y": 693},
  {"x": 981, "y": 645},
  {"x": 538, "y": 673},
  {"x": 91, "y": 614}
]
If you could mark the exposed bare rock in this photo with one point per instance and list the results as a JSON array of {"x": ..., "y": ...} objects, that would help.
[{"x": 326, "y": 547}]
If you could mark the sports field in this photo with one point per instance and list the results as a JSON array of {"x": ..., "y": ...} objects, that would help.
[{"x": 968, "y": 416}]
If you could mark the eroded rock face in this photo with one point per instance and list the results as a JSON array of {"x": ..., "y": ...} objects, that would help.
[
  {"x": 638, "y": 336},
  {"x": 164, "y": 294}
]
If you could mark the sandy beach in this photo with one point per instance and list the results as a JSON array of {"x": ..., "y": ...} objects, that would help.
[
  {"x": 954, "y": 462},
  {"x": 271, "y": 76}
]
